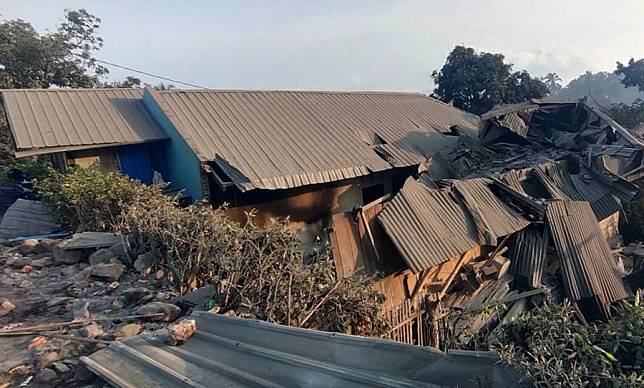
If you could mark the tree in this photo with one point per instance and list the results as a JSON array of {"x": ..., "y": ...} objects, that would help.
[
  {"x": 552, "y": 82},
  {"x": 63, "y": 58},
  {"x": 129, "y": 82},
  {"x": 602, "y": 88},
  {"x": 630, "y": 116},
  {"x": 163, "y": 87},
  {"x": 633, "y": 73},
  {"x": 476, "y": 82}
]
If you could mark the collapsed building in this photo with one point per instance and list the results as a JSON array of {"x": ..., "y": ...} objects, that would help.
[{"x": 454, "y": 213}]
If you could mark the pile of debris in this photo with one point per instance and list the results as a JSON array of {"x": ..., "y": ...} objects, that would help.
[
  {"x": 62, "y": 299},
  {"x": 528, "y": 213}
]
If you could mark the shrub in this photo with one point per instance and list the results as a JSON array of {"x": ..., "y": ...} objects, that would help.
[
  {"x": 552, "y": 348},
  {"x": 87, "y": 199},
  {"x": 31, "y": 169},
  {"x": 259, "y": 267}
]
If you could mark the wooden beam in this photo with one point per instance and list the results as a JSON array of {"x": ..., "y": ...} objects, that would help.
[{"x": 370, "y": 235}]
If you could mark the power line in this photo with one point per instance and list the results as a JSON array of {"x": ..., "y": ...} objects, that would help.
[{"x": 146, "y": 73}]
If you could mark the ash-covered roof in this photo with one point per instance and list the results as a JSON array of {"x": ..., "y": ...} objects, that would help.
[
  {"x": 53, "y": 120},
  {"x": 284, "y": 139}
]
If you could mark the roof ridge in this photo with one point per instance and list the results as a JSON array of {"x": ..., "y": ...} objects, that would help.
[
  {"x": 376, "y": 92},
  {"x": 65, "y": 89}
]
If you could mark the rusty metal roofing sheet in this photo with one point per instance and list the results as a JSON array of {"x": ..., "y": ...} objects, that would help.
[
  {"x": 53, "y": 120},
  {"x": 528, "y": 250},
  {"x": 283, "y": 139},
  {"x": 493, "y": 218},
  {"x": 588, "y": 267},
  {"x": 428, "y": 227},
  {"x": 235, "y": 352}
]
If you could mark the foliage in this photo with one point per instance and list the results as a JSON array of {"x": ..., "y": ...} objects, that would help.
[
  {"x": 258, "y": 267},
  {"x": 129, "y": 82},
  {"x": 476, "y": 82},
  {"x": 632, "y": 227},
  {"x": 64, "y": 57},
  {"x": 87, "y": 199},
  {"x": 30, "y": 169},
  {"x": 552, "y": 82},
  {"x": 552, "y": 348},
  {"x": 602, "y": 88},
  {"x": 630, "y": 116},
  {"x": 6, "y": 144},
  {"x": 633, "y": 73}
]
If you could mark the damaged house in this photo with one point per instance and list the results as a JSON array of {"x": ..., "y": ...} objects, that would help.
[{"x": 454, "y": 213}]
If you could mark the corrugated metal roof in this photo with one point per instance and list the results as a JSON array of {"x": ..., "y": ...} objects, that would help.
[
  {"x": 283, "y": 139},
  {"x": 562, "y": 185},
  {"x": 236, "y": 352},
  {"x": 428, "y": 227},
  {"x": 588, "y": 268},
  {"x": 528, "y": 250},
  {"x": 493, "y": 218},
  {"x": 51, "y": 120}
]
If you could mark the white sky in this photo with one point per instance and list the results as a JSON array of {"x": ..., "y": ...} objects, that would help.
[{"x": 347, "y": 45}]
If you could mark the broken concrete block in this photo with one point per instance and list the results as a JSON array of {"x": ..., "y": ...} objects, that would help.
[
  {"x": 103, "y": 256},
  {"x": 144, "y": 262},
  {"x": 180, "y": 332},
  {"x": 46, "y": 377},
  {"x": 80, "y": 310}
]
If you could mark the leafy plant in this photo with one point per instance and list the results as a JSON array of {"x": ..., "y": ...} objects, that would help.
[
  {"x": 87, "y": 199},
  {"x": 552, "y": 348}
]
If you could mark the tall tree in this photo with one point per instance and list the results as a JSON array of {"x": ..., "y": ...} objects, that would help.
[
  {"x": 602, "y": 88},
  {"x": 476, "y": 82},
  {"x": 552, "y": 82},
  {"x": 64, "y": 57},
  {"x": 633, "y": 73}
]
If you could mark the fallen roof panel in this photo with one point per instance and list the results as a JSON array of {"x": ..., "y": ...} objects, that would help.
[
  {"x": 284, "y": 139},
  {"x": 54, "y": 120},
  {"x": 428, "y": 227},
  {"x": 588, "y": 268},
  {"x": 493, "y": 218},
  {"x": 236, "y": 352}
]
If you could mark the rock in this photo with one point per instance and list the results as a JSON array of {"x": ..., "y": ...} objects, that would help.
[
  {"x": 129, "y": 330},
  {"x": 25, "y": 284},
  {"x": 134, "y": 294},
  {"x": 6, "y": 307},
  {"x": 27, "y": 268},
  {"x": 92, "y": 330},
  {"x": 69, "y": 256},
  {"x": 46, "y": 376},
  {"x": 144, "y": 262},
  {"x": 83, "y": 375},
  {"x": 80, "y": 310},
  {"x": 215, "y": 309},
  {"x": 170, "y": 312},
  {"x": 113, "y": 286},
  {"x": 58, "y": 300},
  {"x": 90, "y": 240},
  {"x": 46, "y": 261},
  {"x": 26, "y": 247},
  {"x": 104, "y": 256},
  {"x": 47, "y": 359},
  {"x": 20, "y": 262},
  {"x": 109, "y": 272},
  {"x": 180, "y": 332},
  {"x": 61, "y": 368},
  {"x": 158, "y": 275}
]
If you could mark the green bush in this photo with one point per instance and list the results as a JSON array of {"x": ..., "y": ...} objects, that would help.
[
  {"x": 552, "y": 348},
  {"x": 33, "y": 169},
  {"x": 87, "y": 199}
]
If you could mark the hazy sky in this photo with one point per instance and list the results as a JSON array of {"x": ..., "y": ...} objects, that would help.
[{"x": 344, "y": 45}]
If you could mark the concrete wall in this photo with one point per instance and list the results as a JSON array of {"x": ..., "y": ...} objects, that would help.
[{"x": 182, "y": 168}]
